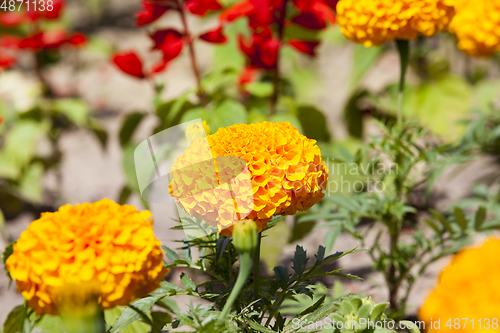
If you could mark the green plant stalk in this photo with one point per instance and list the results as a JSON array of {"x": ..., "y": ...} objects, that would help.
[
  {"x": 404, "y": 57},
  {"x": 256, "y": 268},
  {"x": 85, "y": 323},
  {"x": 245, "y": 270}
]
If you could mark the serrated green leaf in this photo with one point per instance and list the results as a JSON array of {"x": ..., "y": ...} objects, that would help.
[
  {"x": 313, "y": 123},
  {"x": 130, "y": 315},
  {"x": 314, "y": 307},
  {"x": 433, "y": 226},
  {"x": 332, "y": 235},
  {"x": 299, "y": 260},
  {"x": 282, "y": 276},
  {"x": 171, "y": 254},
  {"x": 187, "y": 283},
  {"x": 259, "y": 328}
]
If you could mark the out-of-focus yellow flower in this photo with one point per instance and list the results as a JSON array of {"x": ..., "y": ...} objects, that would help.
[
  {"x": 468, "y": 288},
  {"x": 197, "y": 130},
  {"x": 102, "y": 244},
  {"x": 275, "y": 171},
  {"x": 374, "y": 22},
  {"x": 477, "y": 26}
]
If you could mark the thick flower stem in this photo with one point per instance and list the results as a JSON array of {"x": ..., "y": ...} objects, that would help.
[
  {"x": 276, "y": 71},
  {"x": 245, "y": 270},
  {"x": 404, "y": 57},
  {"x": 192, "y": 54},
  {"x": 256, "y": 268}
]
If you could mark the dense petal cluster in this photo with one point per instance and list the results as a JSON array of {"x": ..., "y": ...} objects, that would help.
[
  {"x": 261, "y": 170},
  {"x": 374, "y": 22},
  {"x": 468, "y": 288},
  {"x": 477, "y": 26},
  {"x": 103, "y": 244}
]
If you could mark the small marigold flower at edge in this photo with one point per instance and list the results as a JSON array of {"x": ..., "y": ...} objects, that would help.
[
  {"x": 375, "y": 22},
  {"x": 476, "y": 26},
  {"x": 271, "y": 170},
  {"x": 467, "y": 288},
  {"x": 106, "y": 245}
]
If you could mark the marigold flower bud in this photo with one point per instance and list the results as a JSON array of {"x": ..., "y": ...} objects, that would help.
[{"x": 245, "y": 236}]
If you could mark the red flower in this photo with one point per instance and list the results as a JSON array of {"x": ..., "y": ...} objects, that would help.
[
  {"x": 11, "y": 19},
  {"x": 150, "y": 12},
  {"x": 262, "y": 49},
  {"x": 6, "y": 62},
  {"x": 10, "y": 42},
  {"x": 130, "y": 63},
  {"x": 77, "y": 39},
  {"x": 55, "y": 13},
  {"x": 236, "y": 11},
  {"x": 246, "y": 76},
  {"x": 317, "y": 7},
  {"x": 309, "y": 20},
  {"x": 160, "y": 66},
  {"x": 33, "y": 42},
  {"x": 202, "y": 7},
  {"x": 215, "y": 36},
  {"x": 54, "y": 39},
  {"x": 308, "y": 47},
  {"x": 169, "y": 41}
]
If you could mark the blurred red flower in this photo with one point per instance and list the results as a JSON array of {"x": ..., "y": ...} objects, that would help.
[
  {"x": 168, "y": 41},
  {"x": 215, "y": 36},
  {"x": 11, "y": 19},
  {"x": 246, "y": 76},
  {"x": 261, "y": 49},
  {"x": 150, "y": 12},
  {"x": 202, "y": 7},
  {"x": 52, "y": 14},
  {"x": 129, "y": 63},
  {"x": 77, "y": 39},
  {"x": 307, "y": 47},
  {"x": 6, "y": 62}
]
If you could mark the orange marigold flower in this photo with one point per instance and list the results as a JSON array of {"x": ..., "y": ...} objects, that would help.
[
  {"x": 476, "y": 26},
  {"x": 260, "y": 171},
  {"x": 104, "y": 244},
  {"x": 374, "y": 22},
  {"x": 468, "y": 288}
]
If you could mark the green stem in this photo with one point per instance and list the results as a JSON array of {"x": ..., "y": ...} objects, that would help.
[
  {"x": 245, "y": 270},
  {"x": 256, "y": 268},
  {"x": 404, "y": 57}
]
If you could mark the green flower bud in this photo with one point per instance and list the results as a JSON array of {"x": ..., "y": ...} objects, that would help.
[{"x": 245, "y": 236}]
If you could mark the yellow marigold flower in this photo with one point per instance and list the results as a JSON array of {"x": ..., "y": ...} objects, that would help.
[
  {"x": 468, "y": 288},
  {"x": 477, "y": 26},
  {"x": 274, "y": 171},
  {"x": 99, "y": 244},
  {"x": 374, "y": 22}
]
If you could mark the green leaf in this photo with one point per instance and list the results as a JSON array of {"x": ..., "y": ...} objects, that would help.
[
  {"x": 129, "y": 126},
  {"x": 332, "y": 235},
  {"x": 100, "y": 134},
  {"x": 228, "y": 113},
  {"x": 404, "y": 58},
  {"x": 314, "y": 307},
  {"x": 299, "y": 260},
  {"x": 442, "y": 219},
  {"x": 433, "y": 226},
  {"x": 196, "y": 113},
  {"x": 460, "y": 218},
  {"x": 6, "y": 254},
  {"x": 187, "y": 283},
  {"x": 15, "y": 320},
  {"x": 258, "y": 327},
  {"x": 320, "y": 255},
  {"x": 129, "y": 315},
  {"x": 363, "y": 60},
  {"x": 378, "y": 310},
  {"x": 365, "y": 311},
  {"x": 171, "y": 254},
  {"x": 30, "y": 186},
  {"x": 124, "y": 195},
  {"x": 346, "y": 308},
  {"x": 283, "y": 117},
  {"x": 260, "y": 89},
  {"x": 76, "y": 110},
  {"x": 160, "y": 319},
  {"x": 480, "y": 217},
  {"x": 412, "y": 327},
  {"x": 220, "y": 246},
  {"x": 313, "y": 123},
  {"x": 167, "y": 287},
  {"x": 282, "y": 276}
]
